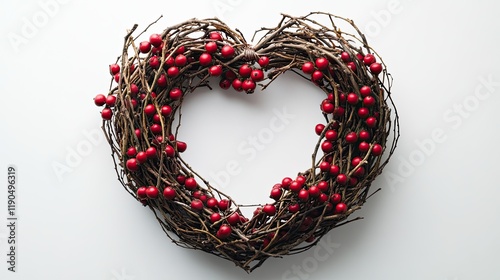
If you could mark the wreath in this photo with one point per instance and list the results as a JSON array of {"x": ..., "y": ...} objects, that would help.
[{"x": 151, "y": 79}]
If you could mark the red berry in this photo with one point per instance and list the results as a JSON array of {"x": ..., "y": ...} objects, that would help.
[
  {"x": 276, "y": 193},
  {"x": 180, "y": 50},
  {"x": 369, "y": 59},
  {"x": 322, "y": 63},
  {"x": 335, "y": 198},
  {"x": 324, "y": 166},
  {"x": 377, "y": 150},
  {"x": 327, "y": 107},
  {"x": 106, "y": 113},
  {"x": 205, "y": 59},
  {"x": 308, "y": 67},
  {"x": 355, "y": 161},
  {"x": 285, "y": 183},
  {"x": 162, "y": 80},
  {"x": 142, "y": 157},
  {"x": 263, "y": 61},
  {"x": 341, "y": 179},
  {"x": 212, "y": 203},
  {"x": 214, "y": 35},
  {"x": 376, "y": 68},
  {"x": 358, "y": 173},
  {"x": 323, "y": 197},
  {"x": 224, "y": 231},
  {"x": 224, "y": 204},
  {"x": 233, "y": 219},
  {"x": 151, "y": 152},
  {"x": 215, "y": 217},
  {"x": 295, "y": 186},
  {"x": 169, "y": 193},
  {"x": 331, "y": 135},
  {"x": 181, "y": 146},
  {"x": 180, "y": 60},
  {"x": 215, "y": 70},
  {"x": 363, "y": 112},
  {"x": 327, "y": 147},
  {"x": 352, "y": 98},
  {"x": 132, "y": 151},
  {"x": 117, "y": 77},
  {"x": 211, "y": 47},
  {"x": 323, "y": 186},
  {"x": 152, "y": 192},
  {"x": 364, "y": 135},
  {"x": 166, "y": 110},
  {"x": 237, "y": 84},
  {"x": 371, "y": 122},
  {"x": 269, "y": 209},
  {"x": 339, "y": 112},
  {"x": 257, "y": 211},
  {"x": 227, "y": 51},
  {"x": 134, "y": 90},
  {"x": 303, "y": 195},
  {"x": 340, "y": 208},
  {"x": 334, "y": 170},
  {"x": 245, "y": 70},
  {"x": 360, "y": 56},
  {"x": 144, "y": 47},
  {"x": 301, "y": 180},
  {"x": 369, "y": 101},
  {"x": 170, "y": 62},
  {"x": 181, "y": 179},
  {"x": 100, "y": 99},
  {"x": 257, "y": 75},
  {"x": 345, "y": 57},
  {"x": 294, "y": 208},
  {"x": 138, "y": 133},
  {"x": 197, "y": 194},
  {"x": 352, "y": 66},
  {"x": 316, "y": 76},
  {"x": 155, "y": 40},
  {"x": 351, "y": 137},
  {"x": 170, "y": 151},
  {"x": 141, "y": 192},
  {"x": 150, "y": 110},
  {"x": 173, "y": 72},
  {"x": 156, "y": 129},
  {"x": 154, "y": 62},
  {"x": 319, "y": 128},
  {"x": 363, "y": 147},
  {"x": 175, "y": 93},
  {"x": 230, "y": 75},
  {"x": 196, "y": 204},
  {"x": 225, "y": 84},
  {"x": 248, "y": 85},
  {"x": 114, "y": 69},
  {"x": 314, "y": 191},
  {"x": 190, "y": 183},
  {"x": 365, "y": 91},
  {"x": 134, "y": 103},
  {"x": 310, "y": 239}
]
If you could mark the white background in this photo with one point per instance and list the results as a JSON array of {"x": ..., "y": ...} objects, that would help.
[{"x": 436, "y": 218}]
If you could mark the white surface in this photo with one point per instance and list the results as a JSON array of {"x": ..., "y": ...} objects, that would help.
[{"x": 436, "y": 220}]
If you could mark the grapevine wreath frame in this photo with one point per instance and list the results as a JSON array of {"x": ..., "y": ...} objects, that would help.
[{"x": 356, "y": 140}]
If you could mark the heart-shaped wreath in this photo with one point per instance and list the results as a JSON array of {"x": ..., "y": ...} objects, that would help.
[{"x": 154, "y": 76}]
